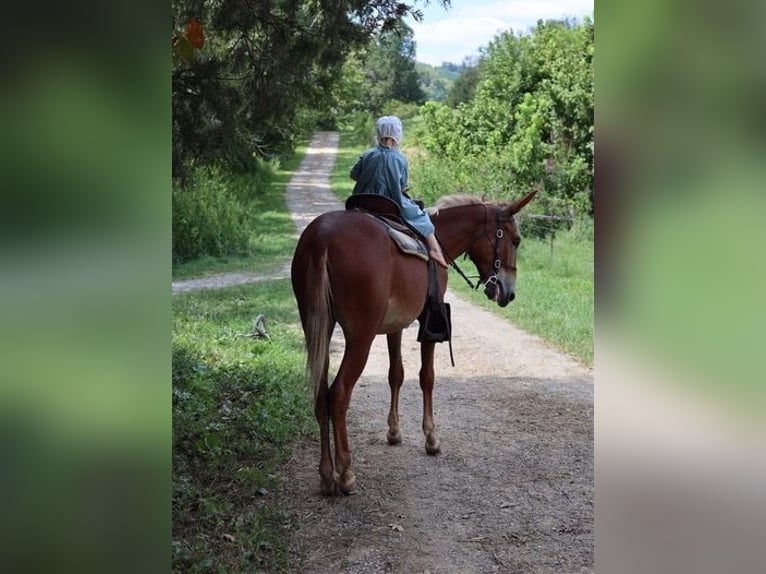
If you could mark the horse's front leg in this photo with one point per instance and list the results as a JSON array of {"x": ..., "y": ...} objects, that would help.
[
  {"x": 427, "y": 386},
  {"x": 395, "y": 378}
]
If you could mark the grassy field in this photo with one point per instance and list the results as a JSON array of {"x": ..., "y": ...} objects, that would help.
[
  {"x": 239, "y": 403},
  {"x": 349, "y": 148}
]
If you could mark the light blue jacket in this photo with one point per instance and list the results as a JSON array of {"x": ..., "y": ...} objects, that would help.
[{"x": 383, "y": 170}]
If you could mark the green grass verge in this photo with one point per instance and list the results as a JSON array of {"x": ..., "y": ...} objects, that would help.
[
  {"x": 238, "y": 406},
  {"x": 554, "y": 293},
  {"x": 350, "y": 146}
]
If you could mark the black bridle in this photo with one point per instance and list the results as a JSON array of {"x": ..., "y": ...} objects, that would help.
[{"x": 499, "y": 234}]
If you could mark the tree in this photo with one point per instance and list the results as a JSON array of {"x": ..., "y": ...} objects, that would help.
[
  {"x": 530, "y": 118},
  {"x": 262, "y": 63},
  {"x": 464, "y": 86},
  {"x": 434, "y": 84},
  {"x": 389, "y": 69}
]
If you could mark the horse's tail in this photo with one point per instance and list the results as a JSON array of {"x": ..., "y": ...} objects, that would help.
[{"x": 318, "y": 320}]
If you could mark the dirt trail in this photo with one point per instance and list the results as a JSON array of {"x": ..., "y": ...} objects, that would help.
[{"x": 511, "y": 491}]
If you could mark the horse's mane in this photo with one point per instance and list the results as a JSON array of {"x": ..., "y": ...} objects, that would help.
[{"x": 453, "y": 201}]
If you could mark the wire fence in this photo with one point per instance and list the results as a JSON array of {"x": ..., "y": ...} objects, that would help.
[{"x": 543, "y": 226}]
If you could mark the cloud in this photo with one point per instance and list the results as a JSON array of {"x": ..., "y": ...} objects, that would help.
[
  {"x": 451, "y": 36},
  {"x": 453, "y": 39}
]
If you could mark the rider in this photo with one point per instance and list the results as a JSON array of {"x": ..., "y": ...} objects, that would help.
[{"x": 383, "y": 170}]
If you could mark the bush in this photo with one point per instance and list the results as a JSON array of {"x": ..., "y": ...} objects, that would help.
[
  {"x": 432, "y": 176},
  {"x": 210, "y": 216},
  {"x": 528, "y": 124}
]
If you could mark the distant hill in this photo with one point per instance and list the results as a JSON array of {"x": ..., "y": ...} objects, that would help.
[
  {"x": 436, "y": 81},
  {"x": 451, "y": 70}
]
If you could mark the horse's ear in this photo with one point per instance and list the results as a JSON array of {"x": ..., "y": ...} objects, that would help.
[{"x": 517, "y": 205}]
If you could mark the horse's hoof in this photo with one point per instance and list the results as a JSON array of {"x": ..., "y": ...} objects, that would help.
[
  {"x": 328, "y": 487},
  {"x": 346, "y": 482},
  {"x": 394, "y": 438},
  {"x": 433, "y": 447}
]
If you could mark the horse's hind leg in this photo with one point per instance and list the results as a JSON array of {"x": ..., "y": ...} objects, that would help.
[
  {"x": 351, "y": 367},
  {"x": 395, "y": 378},
  {"x": 427, "y": 386},
  {"x": 327, "y": 483}
]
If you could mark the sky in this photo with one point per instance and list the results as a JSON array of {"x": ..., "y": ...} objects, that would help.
[{"x": 452, "y": 35}]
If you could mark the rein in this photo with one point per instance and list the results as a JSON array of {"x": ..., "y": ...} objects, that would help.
[{"x": 492, "y": 279}]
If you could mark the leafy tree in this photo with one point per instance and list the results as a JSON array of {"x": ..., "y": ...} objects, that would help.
[
  {"x": 452, "y": 70},
  {"x": 529, "y": 121},
  {"x": 379, "y": 78},
  {"x": 434, "y": 84},
  {"x": 402, "y": 49},
  {"x": 261, "y": 66},
  {"x": 389, "y": 69}
]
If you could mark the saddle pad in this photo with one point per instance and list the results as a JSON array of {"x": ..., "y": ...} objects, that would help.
[{"x": 408, "y": 245}]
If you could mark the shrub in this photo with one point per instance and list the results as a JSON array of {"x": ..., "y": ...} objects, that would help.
[{"x": 209, "y": 217}]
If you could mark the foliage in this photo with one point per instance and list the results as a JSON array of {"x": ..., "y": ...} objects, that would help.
[
  {"x": 438, "y": 81},
  {"x": 270, "y": 230},
  {"x": 434, "y": 84},
  {"x": 390, "y": 69},
  {"x": 453, "y": 71},
  {"x": 380, "y": 73},
  {"x": 238, "y": 405},
  {"x": 247, "y": 76},
  {"x": 209, "y": 217},
  {"x": 528, "y": 124},
  {"x": 403, "y": 110},
  {"x": 463, "y": 87}
]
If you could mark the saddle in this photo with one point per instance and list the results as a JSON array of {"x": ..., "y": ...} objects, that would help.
[
  {"x": 408, "y": 240},
  {"x": 435, "y": 318}
]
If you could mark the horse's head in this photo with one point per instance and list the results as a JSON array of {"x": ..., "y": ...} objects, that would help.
[{"x": 494, "y": 253}]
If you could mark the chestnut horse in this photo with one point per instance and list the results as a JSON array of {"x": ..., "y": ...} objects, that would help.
[{"x": 346, "y": 270}]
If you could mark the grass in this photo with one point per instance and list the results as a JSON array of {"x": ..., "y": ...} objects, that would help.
[
  {"x": 272, "y": 238},
  {"x": 238, "y": 405},
  {"x": 350, "y": 146},
  {"x": 554, "y": 293}
]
